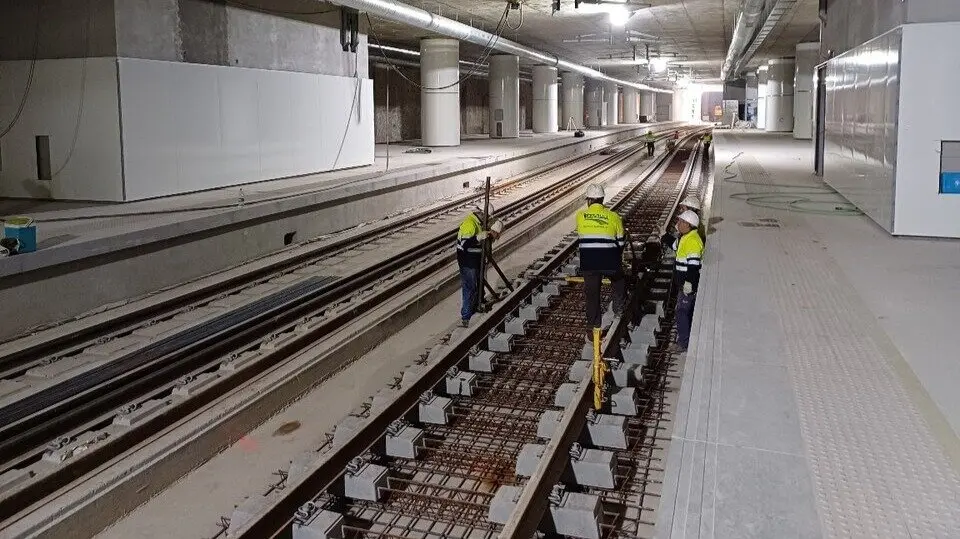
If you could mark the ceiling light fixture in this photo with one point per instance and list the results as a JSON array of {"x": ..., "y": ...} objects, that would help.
[
  {"x": 658, "y": 64},
  {"x": 618, "y": 15}
]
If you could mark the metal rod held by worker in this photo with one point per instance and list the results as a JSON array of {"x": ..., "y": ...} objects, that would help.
[
  {"x": 598, "y": 372},
  {"x": 485, "y": 226}
]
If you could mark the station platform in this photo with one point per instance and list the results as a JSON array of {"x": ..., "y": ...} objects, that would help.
[
  {"x": 818, "y": 397},
  {"x": 94, "y": 254}
]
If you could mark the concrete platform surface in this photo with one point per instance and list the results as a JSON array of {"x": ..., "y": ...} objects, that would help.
[
  {"x": 819, "y": 395},
  {"x": 62, "y": 225}
]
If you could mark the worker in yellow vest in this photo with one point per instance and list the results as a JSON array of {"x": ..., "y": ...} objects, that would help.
[
  {"x": 707, "y": 139},
  {"x": 601, "y": 242},
  {"x": 651, "y": 141},
  {"x": 471, "y": 240},
  {"x": 686, "y": 275},
  {"x": 670, "y": 238}
]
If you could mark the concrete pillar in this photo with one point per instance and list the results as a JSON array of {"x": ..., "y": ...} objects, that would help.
[
  {"x": 572, "y": 101},
  {"x": 631, "y": 108},
  {"x": 808, "y": 56},
  {"x": 545, "y": 104},
  {"x": 780, "y": 95},
  {"x": 648, "y": 105},
  {"x": 751, "y": 106},
  {"x": 762, "y": 72},
  {"x": 613, "y": 105},
  {"x": 440, "y": 95},
  {"x": 504, "y": 96},
  {"x": 595, "y": 112},
  {"x": 676, "y": 108}
]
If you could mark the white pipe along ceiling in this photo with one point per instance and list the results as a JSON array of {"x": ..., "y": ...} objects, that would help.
[
  {"x": 747, "y": 23},
  {"x": 413, "y": 16}
]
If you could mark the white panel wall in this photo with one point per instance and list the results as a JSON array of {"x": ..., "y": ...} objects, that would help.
[
  {"x": 929, "y": 83},
  {"x": 189, "y": 127},
  {"x": 860, "y": 125},
  {"x": 53, "y": 107}
]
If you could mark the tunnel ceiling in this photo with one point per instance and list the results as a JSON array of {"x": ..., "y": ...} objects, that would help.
[{"x": 692, "y": 34}]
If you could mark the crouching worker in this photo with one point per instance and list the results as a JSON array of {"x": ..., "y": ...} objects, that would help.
[
  {"x": 472, "y": 239},
  {"x": 601, "y": 245},
  {"x": 686, "y": 276}
]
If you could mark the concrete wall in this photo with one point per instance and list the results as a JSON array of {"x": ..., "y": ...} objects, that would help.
[
  {"x": 212, "y": 32},
  {"x": 68, "y": 29}
]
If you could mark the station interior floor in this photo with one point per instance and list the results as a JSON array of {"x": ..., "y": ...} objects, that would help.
[{"x": 819, "y": 397}]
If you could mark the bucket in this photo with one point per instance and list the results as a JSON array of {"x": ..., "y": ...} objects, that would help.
[{"x": 23, "y": 229}]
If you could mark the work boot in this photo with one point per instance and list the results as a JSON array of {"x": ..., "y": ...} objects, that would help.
[{"x": 464, "y": 322}]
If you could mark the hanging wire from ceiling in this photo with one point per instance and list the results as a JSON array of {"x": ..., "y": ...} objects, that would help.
[
  {"x": 30, "y": 73},
  {"x": 474, "y": 69}
]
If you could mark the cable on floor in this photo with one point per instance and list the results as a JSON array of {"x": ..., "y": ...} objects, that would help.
[{"x": 801, "y": 198}]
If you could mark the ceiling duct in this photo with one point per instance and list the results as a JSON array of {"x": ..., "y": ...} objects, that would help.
[
  {"x": 777, "y": 14},
  {"x": 412, "y": 16},
  {"x": 747, "y": 25}
]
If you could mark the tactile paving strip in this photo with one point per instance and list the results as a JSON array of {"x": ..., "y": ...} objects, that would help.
[{"x": 878, "y": 470}]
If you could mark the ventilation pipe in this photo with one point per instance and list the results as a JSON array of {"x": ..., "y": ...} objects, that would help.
[
  {"x": 399, "y": 12},
  {"x": 747, "y": 23}
]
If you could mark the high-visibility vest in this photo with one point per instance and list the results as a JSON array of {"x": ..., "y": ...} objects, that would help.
[
  {"x": 689, "y": 259},
  {"x": 601, "y": 239},
  {"x": 469, "y": 248}
]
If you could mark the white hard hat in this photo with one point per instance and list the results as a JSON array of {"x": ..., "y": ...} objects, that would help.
[
  {"x": 691, "y": 218},
  {"x": 691, "y": 202},
  {"x": 594, "y": 191}
]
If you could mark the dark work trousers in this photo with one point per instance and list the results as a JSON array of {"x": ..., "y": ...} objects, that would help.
[
  {"x": 469, "y": 282},
  {"x": 592, "y": 281},
  {"x": 684, "y": 316},
  {"x": 706, "y": 146},
  {"x": 650, "y": 148}
]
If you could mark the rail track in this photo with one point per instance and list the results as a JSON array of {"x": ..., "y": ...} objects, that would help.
[
  {"x": 157, "y": 368},
  {"x": 474, "y": 440}
]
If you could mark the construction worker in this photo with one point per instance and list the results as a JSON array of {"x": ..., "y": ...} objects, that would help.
[
  {"x": 707, "y": 139},
  {"x": 601, "y": 245},
  {"x": 686, "y": 275},
  {"x": 471, "y": 240},
  {"x": 651, "y": 140},
  {"x": 669, "y": 239}
]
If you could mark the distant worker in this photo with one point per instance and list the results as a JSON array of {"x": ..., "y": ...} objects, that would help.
[
  {"x": 651, "y": 140},
  {"x": 471, "y": 240},
  {"x": 670, "y": 238},
  {"x": 601, "y": 255},
  {"x": 707, "y": 139},
  {"x": 686, "y": 275}
]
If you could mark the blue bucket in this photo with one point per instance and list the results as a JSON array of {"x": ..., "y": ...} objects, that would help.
[{"x": 23, "y": 229}]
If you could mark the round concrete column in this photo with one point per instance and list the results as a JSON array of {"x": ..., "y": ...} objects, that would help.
[
  {"x": 780, "y": 95},
  {"x": 596, "y": 111},
  {"x": 572, "y": 101},
  {"x": 545, "y": 104},
  {"x": 613, "y": 105},
  {"x": 440, "y": 92},
  {"x": 648, "y": 105},
  {"x": 677, "y": 110},
  {"x": 762, "y": 97},
  {"x": 808, "y": 55},
  {"x": 631, "y": 106},
  {"x": 504, "y": 96}
]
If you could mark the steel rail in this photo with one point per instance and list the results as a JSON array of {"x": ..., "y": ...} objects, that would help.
[
  {"x": 278, "y": 517},
  {"x": 533, "y": 502},
  {"x": 218, "y": 344},
  {"x": 24, "y": 357}
]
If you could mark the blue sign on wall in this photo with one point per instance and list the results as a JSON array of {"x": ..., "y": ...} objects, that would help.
[{"x": 950, "y": 183}]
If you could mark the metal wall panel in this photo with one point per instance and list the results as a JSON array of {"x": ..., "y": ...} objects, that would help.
[{"x": 862, "y": 96}]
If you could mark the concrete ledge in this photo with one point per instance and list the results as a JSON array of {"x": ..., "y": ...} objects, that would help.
[{"x": 66, "y": 280}]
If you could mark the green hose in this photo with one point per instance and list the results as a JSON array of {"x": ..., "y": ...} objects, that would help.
[{"x": 811, "y": 199}]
